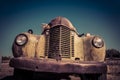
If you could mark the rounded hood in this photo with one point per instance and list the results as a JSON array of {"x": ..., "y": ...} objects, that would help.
[{"x": 61, "y": 21}]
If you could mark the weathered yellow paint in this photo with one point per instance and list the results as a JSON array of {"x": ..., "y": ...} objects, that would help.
[
  {"x": 78, "y": 47},
  {"x": 29, "y": 48},
  {"x": 90, "y": 52},
  {"x": 40, "y": 49},
  {"x": 98, "y": 53}
]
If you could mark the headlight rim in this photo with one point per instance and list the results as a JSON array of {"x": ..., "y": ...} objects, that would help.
[
  {"x": 101, "y": 41},
  {"x": 17, "y": 38}
]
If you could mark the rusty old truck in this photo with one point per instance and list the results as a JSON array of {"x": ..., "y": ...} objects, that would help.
[{"x": 58, "y": 53}]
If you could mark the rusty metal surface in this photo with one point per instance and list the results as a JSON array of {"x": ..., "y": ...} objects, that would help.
[
  {"x": 61, "y": 21},
  {"x": 47, "y": 65}
]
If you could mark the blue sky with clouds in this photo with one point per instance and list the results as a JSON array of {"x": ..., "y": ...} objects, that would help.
[{"x": 99, "y": 17}]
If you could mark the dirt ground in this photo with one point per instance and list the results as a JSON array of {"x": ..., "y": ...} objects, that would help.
[{"x": 5, "y": 71}]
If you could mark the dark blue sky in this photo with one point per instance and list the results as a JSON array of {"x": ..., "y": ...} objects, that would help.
[{"x": 99, "y": 17}]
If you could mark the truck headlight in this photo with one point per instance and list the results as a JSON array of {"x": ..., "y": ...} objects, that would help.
[
  {"x": 21, "y": 39},
  {"x": 97, "y": 42}
]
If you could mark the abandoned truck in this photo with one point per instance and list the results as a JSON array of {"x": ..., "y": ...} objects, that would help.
[{"x": 60, "y": 51}]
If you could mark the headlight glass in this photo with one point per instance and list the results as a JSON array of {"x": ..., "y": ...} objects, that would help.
[
  {"x": 21, "y": 39},
  {"x": 97, "y": 42}
]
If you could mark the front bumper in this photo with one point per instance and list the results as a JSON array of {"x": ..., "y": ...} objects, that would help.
[{"x": 53, "y": 66}]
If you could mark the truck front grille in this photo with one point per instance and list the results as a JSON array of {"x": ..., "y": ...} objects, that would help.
[{"x": 59, "y": 42}]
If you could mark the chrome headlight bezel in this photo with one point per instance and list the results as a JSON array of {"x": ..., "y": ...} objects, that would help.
[
  {"x": 97, "y": 42},
  {"x": 21, "y": 39}
]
